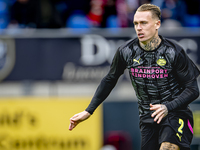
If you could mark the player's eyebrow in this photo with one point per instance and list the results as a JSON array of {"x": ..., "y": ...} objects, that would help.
[{"x": 143, "y": 21}]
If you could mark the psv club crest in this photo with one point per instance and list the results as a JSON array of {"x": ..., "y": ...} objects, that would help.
[{"x": 161, "y": 61}]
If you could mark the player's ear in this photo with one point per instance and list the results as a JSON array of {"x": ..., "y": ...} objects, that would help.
[{"x": 157, "y": 24}]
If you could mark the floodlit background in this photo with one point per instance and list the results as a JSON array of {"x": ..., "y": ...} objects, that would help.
[{"x": 54, "y": 53}]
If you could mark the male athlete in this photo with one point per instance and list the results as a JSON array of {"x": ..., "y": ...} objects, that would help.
[{"x": 164, "y": 79}]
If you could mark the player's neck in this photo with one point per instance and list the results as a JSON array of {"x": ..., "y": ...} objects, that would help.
[{"x": 151, "y": 44}]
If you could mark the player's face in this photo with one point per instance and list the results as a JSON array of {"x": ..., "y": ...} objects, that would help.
[{"x": 146, "y": 27}]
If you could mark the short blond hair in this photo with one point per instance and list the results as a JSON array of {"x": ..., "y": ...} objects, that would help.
[{"x": 155, "y": 10}]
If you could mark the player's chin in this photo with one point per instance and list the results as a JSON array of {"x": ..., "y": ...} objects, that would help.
[{"x": 142, "y": 39}]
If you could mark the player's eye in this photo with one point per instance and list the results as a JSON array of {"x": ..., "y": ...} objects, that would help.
[{"x": 143, "y": 22}]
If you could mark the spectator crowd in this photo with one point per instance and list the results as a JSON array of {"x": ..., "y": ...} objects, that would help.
[{"x": 92, "y": 13}]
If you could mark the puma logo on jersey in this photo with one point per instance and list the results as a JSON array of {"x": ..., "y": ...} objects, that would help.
[
  {"x": 179, "y": 136},
  {"x": 138, "y": 61}
]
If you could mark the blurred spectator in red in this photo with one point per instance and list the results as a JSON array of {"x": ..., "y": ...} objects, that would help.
[{"x": 95, "y": 14}]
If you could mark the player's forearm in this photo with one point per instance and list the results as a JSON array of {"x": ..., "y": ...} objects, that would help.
[
  {"x": 102, "y": 92},
  {"x": 190, "y": 93}
]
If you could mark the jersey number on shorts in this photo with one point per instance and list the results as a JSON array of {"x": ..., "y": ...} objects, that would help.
[{"x": 181, "y": 122}]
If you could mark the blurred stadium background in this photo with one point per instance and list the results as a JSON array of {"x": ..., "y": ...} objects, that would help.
[{"x": 53, "y": 54}]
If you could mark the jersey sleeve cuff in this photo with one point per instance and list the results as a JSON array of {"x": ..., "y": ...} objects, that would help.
[
  {"x": 169, "y": 107},
  {"x": 89, "y": 111}
]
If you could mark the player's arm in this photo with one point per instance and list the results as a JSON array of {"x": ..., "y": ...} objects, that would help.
[
  {"x": 187, "y": 74},
  {"x": 190, "y": 93},
  {"x": 105, "y": 87}
]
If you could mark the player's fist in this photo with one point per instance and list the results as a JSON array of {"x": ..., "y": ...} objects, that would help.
[{"x": 77, "y": 118}]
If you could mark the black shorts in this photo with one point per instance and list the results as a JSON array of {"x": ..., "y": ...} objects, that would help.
[{"x": 173, "y": 129}]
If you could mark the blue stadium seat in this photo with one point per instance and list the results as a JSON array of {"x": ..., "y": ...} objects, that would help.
[{"x": 77, "y": 20}]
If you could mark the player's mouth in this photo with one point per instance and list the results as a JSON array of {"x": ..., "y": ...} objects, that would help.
[{"x": 140, "y": 35}]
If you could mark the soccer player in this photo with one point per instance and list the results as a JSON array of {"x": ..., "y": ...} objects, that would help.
[{"x": 164, "y": 79}]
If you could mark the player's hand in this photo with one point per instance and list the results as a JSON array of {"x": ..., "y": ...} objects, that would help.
[
  {"x": 77, "y": 118},
  {"x": 160, "y": 111}
]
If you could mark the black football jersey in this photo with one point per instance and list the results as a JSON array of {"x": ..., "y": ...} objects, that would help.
[{"x": 158, "y": 76}]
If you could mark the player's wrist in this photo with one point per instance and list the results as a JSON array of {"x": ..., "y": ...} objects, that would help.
[
  {"x": 89, "y": 112},
  {"x": 169, "y": 107}
]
